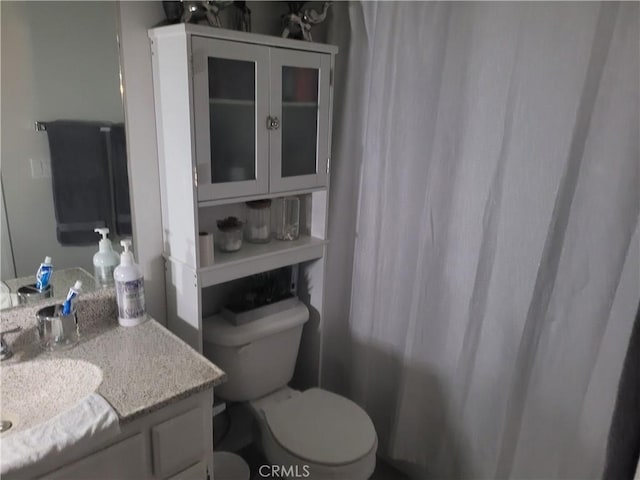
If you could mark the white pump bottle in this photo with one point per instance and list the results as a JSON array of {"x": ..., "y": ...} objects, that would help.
[
  {"x": 129, "y": 289},
  {"x": 105, "y": 260}
]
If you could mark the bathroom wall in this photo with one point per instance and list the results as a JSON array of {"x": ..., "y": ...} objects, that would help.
[{"x": 43, "y": 80}]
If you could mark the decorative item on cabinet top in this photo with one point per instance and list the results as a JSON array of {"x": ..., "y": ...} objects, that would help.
[
  {"x": 208, "y": 11},
  {"x": 297, "y": 23}
]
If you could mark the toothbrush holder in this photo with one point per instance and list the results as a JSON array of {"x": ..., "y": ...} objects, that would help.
[
  {"x": 57, "y": 331},
  {"x": 29, "y": 294}
]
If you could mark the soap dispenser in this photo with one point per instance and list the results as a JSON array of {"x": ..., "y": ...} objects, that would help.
[
  {"x": 129, "y": 289},
  {"x": 104, "y": 261}
]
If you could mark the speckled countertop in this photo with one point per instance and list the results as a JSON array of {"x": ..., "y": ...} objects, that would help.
[{"x": 144, "y": 368}]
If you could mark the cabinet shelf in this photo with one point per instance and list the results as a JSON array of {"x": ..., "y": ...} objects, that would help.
[
  {"x": 300, "y": 104},
  {"x": 255, "y": 258},
  {"x": 251, "y": 103},
  {"x": 232, "y": 101}
]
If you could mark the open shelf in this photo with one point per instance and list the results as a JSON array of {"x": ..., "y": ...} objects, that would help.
[{"x": 255, "y": 258}]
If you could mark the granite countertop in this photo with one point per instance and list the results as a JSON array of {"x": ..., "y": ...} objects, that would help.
[{"x": 144, "y": 368}]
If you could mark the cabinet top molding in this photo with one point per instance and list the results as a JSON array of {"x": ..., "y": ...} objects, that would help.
[{"x": 225, "y": 34}]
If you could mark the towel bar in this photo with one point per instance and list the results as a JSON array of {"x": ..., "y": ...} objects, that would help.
[{"x": 42, "y": 127}]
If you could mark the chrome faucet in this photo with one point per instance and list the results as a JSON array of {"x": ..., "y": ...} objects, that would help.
[{"x": 5, "y": 351}]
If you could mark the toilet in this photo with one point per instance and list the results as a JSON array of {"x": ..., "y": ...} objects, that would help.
[{"x": 312, "y": 434}]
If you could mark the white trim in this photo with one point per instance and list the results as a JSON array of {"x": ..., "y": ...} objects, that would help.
[
  {"x": 245, "y": 37},
  {"x": 225, "y": 201}
]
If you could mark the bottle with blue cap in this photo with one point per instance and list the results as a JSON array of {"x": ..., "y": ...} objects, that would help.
[{"x": 129, "y": 288}]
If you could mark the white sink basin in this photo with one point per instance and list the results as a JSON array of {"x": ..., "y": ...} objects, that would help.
[{"x": 36, "y": 391}]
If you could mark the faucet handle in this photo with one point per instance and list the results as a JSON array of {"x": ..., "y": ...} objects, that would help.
[{"x": 5, "y": 352}]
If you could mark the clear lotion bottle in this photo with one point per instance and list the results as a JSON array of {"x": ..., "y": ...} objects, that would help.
[
  {"x": 105, "y": 260},
  {"x": 129, "y": 289}
]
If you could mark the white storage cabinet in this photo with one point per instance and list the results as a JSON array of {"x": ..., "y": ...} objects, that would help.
[{"x": 239, "y": 117}]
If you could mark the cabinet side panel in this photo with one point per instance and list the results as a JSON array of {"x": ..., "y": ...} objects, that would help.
[
  {"x": 183, "y": 304},
  {"x": 172, "y": 88},
  {"x": 311, "y": 292},
  {"x": 318, "y": 214}
]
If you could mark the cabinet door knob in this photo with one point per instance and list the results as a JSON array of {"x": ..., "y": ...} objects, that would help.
[{"x": 273, "y": 123}]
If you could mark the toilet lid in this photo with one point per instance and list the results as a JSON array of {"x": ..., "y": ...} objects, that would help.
[{"x": 321, "y": 427}]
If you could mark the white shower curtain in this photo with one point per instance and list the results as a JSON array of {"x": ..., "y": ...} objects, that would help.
[{"x": 494, "y": 153}]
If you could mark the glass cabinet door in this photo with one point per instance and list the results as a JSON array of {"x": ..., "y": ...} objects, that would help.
[
  {"x": 230, "y": 98},
  {"x": 299, "y": 143}
]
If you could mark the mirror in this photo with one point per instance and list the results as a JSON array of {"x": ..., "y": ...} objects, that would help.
[{"x": 60, "y": 61}]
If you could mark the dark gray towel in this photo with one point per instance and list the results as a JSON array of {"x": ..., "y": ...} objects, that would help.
[
  {"x": 80, "y": 179},
  {"x": 623, "y": 446},
  {"x": 122, "y": 206}
]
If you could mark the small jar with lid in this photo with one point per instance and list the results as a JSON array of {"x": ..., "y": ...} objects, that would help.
[{"x": 258, "y": 225}]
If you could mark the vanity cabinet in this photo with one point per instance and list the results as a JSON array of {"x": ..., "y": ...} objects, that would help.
[{"x": 175, "y": 442}]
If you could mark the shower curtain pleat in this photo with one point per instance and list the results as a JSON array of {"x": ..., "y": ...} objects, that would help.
[{"x": 494, "y": 152}]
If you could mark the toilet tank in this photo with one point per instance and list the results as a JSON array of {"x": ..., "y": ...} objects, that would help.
[{"x": 258, "y": 357}]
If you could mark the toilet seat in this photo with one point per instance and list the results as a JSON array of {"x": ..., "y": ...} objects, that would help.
[{"x": 310, "y": 427}]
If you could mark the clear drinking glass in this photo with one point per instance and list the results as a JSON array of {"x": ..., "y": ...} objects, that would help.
[
  {"x": 57, "y": 331},
  {"x": 258, "y": 227},
  {"x": 287, "y": 212}
]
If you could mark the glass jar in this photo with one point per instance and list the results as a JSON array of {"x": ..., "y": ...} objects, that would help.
[
  {"x": 287, "y": 214},
  {"x": 258, "y": 226},
  {"x": 229, "y": 238}
]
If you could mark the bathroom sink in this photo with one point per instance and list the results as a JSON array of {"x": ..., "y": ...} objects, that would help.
[{"x": 36, "y": 391}]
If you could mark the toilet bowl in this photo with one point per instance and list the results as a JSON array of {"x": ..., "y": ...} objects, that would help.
[
  {"x": 312, "y": 434},
  {"x": 318, "y": 433},
  {"x": 229, "y": 466}
]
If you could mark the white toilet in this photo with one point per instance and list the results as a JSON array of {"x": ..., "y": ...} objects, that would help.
[{"x": 313, "y": 434}]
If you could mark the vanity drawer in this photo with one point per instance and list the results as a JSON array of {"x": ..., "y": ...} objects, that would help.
[
  {"x": 178, "y": 443},
  {"x": 124, "y": 460},
  {"x": 194, "y": 472}
]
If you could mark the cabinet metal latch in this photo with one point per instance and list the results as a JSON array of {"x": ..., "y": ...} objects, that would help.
[{"x": 273, "y": 123}]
